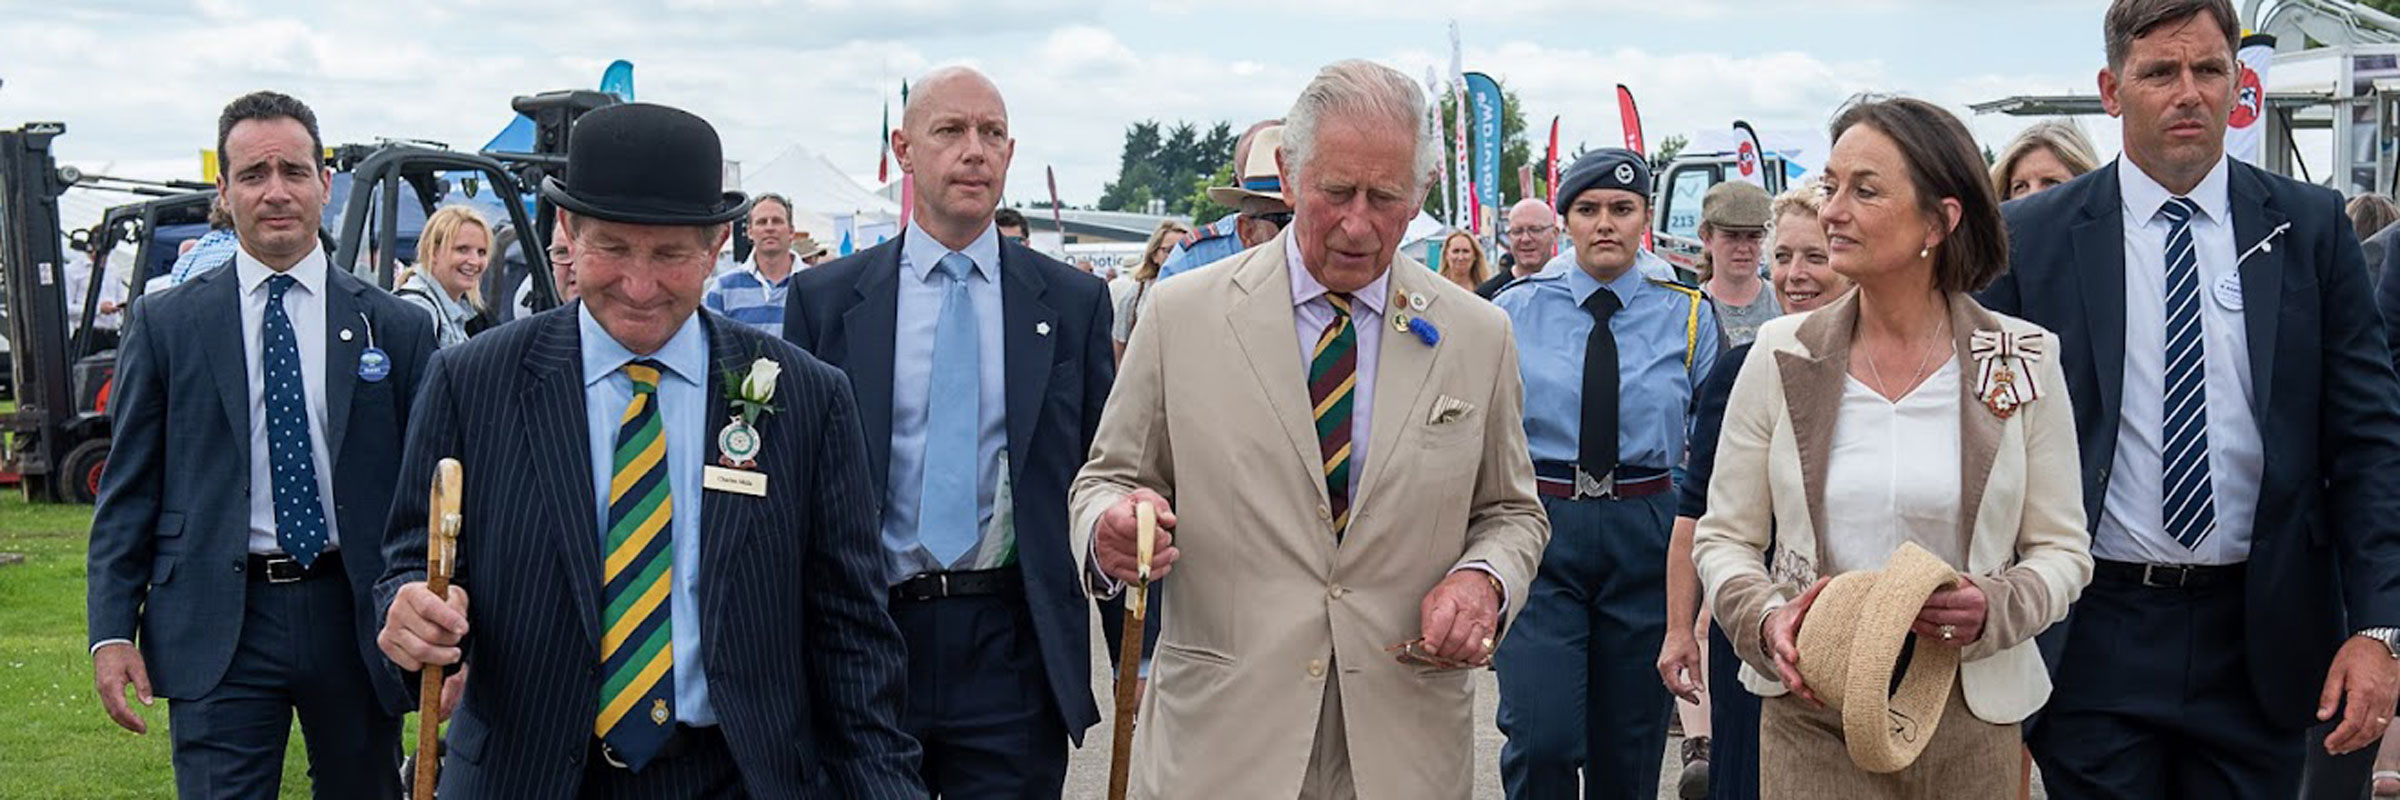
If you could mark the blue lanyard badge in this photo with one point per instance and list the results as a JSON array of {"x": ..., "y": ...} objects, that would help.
[{"x": 373, "y": 364}]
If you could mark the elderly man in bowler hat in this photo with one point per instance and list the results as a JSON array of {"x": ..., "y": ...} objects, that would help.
[{"x": 668, "y": 540}]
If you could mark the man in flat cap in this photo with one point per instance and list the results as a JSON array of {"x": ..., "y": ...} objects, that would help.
[{"x": 668, "y": 535}]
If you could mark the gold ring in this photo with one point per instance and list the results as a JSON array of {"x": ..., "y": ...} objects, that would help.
[
  {"x": 1487, "y": 644},
  {"x": 1949, "y": 632}
]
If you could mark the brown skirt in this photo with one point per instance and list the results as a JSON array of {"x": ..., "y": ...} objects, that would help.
[{"x": 1801, "y": 756}]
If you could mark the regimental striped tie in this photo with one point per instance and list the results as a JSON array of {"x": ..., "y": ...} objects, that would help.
[
  {"x": 2190, "y": 501},
  {"x": 637, "y": 653},
  {"x": 1332, "y": 380}
]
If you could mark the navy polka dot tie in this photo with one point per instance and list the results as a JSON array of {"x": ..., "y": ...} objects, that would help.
[{"x": 299, "y": 511}]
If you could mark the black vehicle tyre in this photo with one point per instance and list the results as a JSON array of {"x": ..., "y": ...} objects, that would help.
[{"x": 78, "y": 478}]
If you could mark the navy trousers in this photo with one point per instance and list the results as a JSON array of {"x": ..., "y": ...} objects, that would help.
[
  {"x": 705, "y": 768},
  {"x": 1732, "y": 723},
  {"x": 979, "y": 700},
  {"x": 2152, "y": 699},
  {"x": 298, "y": 653},
  {"x": 1579, "y": 687}
]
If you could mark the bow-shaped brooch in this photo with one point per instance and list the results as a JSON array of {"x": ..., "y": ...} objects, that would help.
[{"x": 2004, "y": 369}]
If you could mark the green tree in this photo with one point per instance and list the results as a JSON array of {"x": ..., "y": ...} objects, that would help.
[
  {"x": 1515, "y": 150},
  {"x": 1668, "y": 148},
  {"x": 2385, "y": 6},
  {"x": 1168, "y": 163}
]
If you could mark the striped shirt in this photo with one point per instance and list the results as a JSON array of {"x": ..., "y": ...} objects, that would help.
[{"x": 746, "y": 295}]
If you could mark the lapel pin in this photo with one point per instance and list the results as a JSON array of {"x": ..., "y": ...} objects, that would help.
[
  {"x": 345, "y": 334},
  {"x": 1417, "y": 301},
  {"x": 373, "y": 364},
  {"x": 1041, "y": 328},
  {"x": 1400, "y": 322},
  {"x": 1425, "y": 331}
]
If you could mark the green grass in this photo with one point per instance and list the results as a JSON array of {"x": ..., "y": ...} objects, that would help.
[{"x": 56, "y": 741}]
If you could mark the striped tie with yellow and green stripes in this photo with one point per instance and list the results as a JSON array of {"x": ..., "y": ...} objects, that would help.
[
  {"x": 637, "y": 652},
  {"x": 1332, "y": 379}
]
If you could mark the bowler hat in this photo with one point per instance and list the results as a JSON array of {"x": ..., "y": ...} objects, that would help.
[
  {"x": 1850, "y": 643},
  {"x": 645, "y": 164}
]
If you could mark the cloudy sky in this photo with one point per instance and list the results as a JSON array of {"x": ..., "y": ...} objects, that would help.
[{"x": 139, "y": 82}]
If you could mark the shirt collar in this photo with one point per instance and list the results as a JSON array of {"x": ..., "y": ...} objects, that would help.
[
  {"x": 1583, "y": 284},
  {"x": 1305, "y": 287},
  {"x": 2143, "y": 196},
  {"x": 309, "y": 271},
  {"x": 919, "y": 252},
  {"x": 685, "y": 354},
  {"x": 751, "y": 266},
  {"x": 451, "y": 307}
]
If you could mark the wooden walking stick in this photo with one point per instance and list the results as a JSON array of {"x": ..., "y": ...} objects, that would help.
[
  {"x": 441, "y": 551},
  {"x": 1129, "y": 657}
]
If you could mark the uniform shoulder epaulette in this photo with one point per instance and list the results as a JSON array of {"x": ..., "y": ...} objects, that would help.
[
  {"x": 1538, "y": 277},
  {"x": 1687, "y": 289},
  {"x": 1191, "y": 237}
]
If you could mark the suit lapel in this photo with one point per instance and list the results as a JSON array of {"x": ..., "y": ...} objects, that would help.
[
  {"x": 1404, "y": 370},
  {"x": 2255, "y": 218},
  {"x": 724, "y": 519},
  {"x": 227, "y": 351},
  {"x": 343, "y": 315},
  {"x": 1262, "y": 327},
  {"x": 870, "y": 330},
  {"x": 551, "y": 409},
  {"x": 1812, "y": 389},
  {"x": 1026, "y": 348},
  {"x": 1978, "y": 427},
  {"x": 2097, "y": 257}
]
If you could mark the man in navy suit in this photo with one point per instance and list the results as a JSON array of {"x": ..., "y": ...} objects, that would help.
[
  {"x": 980, "y": 368},
  {"x": 2240, "y": 428},
  {"x": 667, "y": 535},
  {"x": 259, "y": 412}
]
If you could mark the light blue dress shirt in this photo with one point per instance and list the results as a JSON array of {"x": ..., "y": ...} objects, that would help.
[
  {"x": 921, "y": 289},
  {"x": 684, "y": 408},
  {"x": 1219, "y": 240},
  {"x": 1654, "y": 386}
]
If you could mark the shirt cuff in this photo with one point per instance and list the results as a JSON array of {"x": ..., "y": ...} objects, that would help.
[
  {"x": 1486, "y": 569},
  {"x": 106, "y": 642},
  {"x": 1102, "y": 586}
]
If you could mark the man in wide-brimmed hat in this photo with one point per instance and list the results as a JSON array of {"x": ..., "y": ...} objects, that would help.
[
  {"x": 668, "y": 535},
  {"x": 1256, "y": 198}
]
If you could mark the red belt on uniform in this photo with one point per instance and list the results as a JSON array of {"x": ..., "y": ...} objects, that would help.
[{"x": 1568, "y": 481}]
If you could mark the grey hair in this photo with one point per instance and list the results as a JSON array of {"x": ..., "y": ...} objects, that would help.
[{"x": 1360, "y": 88}]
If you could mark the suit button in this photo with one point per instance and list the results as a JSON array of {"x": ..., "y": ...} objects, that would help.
[
  {"x": 237, "y": 566},
  {"x": 1324, "y": 514},
  {"x": 1336, "y": 592},
  {"x": 1316, "y": 668}
]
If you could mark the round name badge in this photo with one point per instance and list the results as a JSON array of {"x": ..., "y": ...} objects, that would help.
[
  {"x": 2228, "y": 291},
  {"x": 374, "y": 365}
]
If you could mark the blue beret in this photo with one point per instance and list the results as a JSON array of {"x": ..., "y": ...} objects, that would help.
[{"x": 1605, "y": 168}]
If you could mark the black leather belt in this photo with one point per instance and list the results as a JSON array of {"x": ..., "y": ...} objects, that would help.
[
  {"x": 965, "y": 583},
  {"x": 1567, "y": 480},
  {"x": 2166, "y": 576},
  {"x": 680, "y": 743},
  {"x": 280, "y": 568}
]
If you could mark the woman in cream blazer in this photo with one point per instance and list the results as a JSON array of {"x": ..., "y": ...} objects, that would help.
[{"x": 1903, "y": 412}]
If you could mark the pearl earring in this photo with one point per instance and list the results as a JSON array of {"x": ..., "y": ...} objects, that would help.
[{"x": 1924, "y": 253}]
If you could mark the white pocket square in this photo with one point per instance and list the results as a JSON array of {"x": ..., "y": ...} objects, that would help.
[{"x": 1449, "y": 409}]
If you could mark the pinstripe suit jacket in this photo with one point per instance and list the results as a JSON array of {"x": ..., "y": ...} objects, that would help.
[{"x": 804, "y": 664}]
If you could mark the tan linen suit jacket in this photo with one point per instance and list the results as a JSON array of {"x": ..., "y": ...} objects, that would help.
[
  {"x": 1211, "y": 410},
  {"x": 2024, "y": 539}
]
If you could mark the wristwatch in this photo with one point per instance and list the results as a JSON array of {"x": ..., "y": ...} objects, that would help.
[{"x": 2389, "y": 637}]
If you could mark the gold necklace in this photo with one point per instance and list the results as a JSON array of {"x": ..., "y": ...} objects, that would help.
[{"x": 1924, "y": 362}]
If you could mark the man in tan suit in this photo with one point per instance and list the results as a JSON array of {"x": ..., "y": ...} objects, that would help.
[{"x": 1340, "y": 432}]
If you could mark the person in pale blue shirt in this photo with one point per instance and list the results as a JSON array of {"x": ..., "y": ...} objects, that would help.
[
  {"x": 215, "y": 248},
  {"x": 682, "y": 403},
  {"x": 1609, "y": 356},
  {"x": 753, "y": 293},
  {"x": 921, "y": 288},
  {"x": 1256, "y": 198}
]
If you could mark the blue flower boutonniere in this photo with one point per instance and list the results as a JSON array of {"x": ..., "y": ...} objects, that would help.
[
  {"x": 1425, "y": 331},
  {"x": 751, "y": 393}
]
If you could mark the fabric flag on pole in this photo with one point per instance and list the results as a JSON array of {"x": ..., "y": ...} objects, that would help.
[
  {"x": 908, "y": 182},
  {"x": 1464, "y": 182},
  {"x": 1749, "y": 160},
  {"x": 1550, "y": 186},
  {"x": 1488, "y": 107},
  {"x": 1629, "y": 116},
  {"x": 2246, "y": 132},
  {"x": 883, "y": 156},
  {"x": 1056, "y": 219},
  {"x": 618, "y": 80},
  {"x": 1439, "y": 132}
]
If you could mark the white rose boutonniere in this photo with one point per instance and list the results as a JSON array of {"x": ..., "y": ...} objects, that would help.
[{"x": 751, "y": 393}]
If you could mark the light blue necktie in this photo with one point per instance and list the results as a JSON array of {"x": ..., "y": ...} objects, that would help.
[
  {"x": 2190, "y": 502},
  {"x": 946, "y": 513},
  {"x": 291, "y": 460}
]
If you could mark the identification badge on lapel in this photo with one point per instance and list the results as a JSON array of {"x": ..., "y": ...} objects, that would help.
[
  {"x": 374, "y": 365},
  {"x": 737, "y": 481},
  {"x": 2228, "y": 291}
]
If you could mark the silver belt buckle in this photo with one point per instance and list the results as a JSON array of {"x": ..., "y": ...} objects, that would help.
[
  {"x": 2182, "y": 575},
  {"x": 275, "y": 575},
  {"x": 1587, "y": 487}
]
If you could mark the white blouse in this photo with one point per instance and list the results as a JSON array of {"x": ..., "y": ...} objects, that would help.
[{"x": 1892, "y": 475}]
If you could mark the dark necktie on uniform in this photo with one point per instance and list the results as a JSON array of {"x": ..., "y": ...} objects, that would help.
[
  {"x": 2190, "y": 501},
  {"x": 1596, "y": 441},
  {"x": 1332, "y": 380},
  {"x": 299, "y": 509},
  {"x": 637, "y": 640}
]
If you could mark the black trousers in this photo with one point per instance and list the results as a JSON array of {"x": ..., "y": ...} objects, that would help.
[
  {"x": 704, "y": 769},
  {"x": 979, "y": 699},
  {"x": 2152, "y": 699},
  {"x": 298, "y": 653}
]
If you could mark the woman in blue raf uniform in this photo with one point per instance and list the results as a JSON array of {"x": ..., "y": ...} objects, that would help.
[{"x": 1609, "y": 359}]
